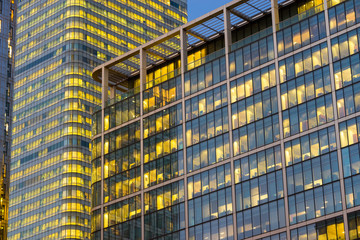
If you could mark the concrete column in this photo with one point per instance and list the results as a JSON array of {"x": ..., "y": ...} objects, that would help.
[
  {"x": 183, "y": 57},
  {"x": 337, "y": 131},
  {"x": 275, "y": 22},
  {"x": 275, "y": 14},
  {"x": 142, "y": 83},
  {"x": 227, "y": 31},
  {"x": 104, "y": 99},
  {"x": 104, "y": 86},
  {"x": 228, "y": 41},
  {"x": 183, "y": 50}
]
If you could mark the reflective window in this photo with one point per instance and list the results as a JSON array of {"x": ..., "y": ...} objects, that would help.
[
  {"x": 96, "y": 221},
  {"x": 344, "y": 15},
  {"x": 205, "y": 76},
  {"x": 96, "y": 148},
  {"x": 162, "y": 121},
  {"x": 348, "y": 100},
  {"x": 123, "y": 215},
  {"x": 354, "y": 225},
  {"x": 253, "y": 83},
  {"x": 260, "y": 219},
  {"x": 96, "y": 124},
  {"x": 206, "y": 102},
  {"x": 349, "y": 132},
  {"x": 303, "y": 62},
  {"x": 253, "y": 108},
  {"x": 257, "y": 164},
  {"x": 209, "y": 181},
  {"x": 163, "y": 169},
  {"x": 210, "y": 206},
  {"x": 351, "y": 160},
  {"x": 308, "y": 115},
  {"x": 250, "y": 56},
  {"x": 162, "y": 144},
  {"x": 312, "y": 173},
  {"x": 256, "y": 134},
  {"x": 301, "y": 34},
  {"x": 161, "y": 94},
  {"x": 210, "y": 198},
  {"x": 345, "y": 45},
  {"x": 208, "y": 152},
  {"x": 122, "y": 173},
  {"x": 352, "y": 191},
  {"x": 259, "y": 190},
  {"x": 329, "y": 229},
  {"x": 122, "y": 112},
  {"x": 206, "y": 127},
  {"x": 122, "y": 137},
  {"x": 221, "y": 228},
  {"x": 305, "y": 88},
  {"x": 347, "y": 71},
  {"x": 280, "y": 236},
  {"x": 164, "y": 210},
  {"x": 315, "y": 203},
  {"x": 310, "y": 146}
]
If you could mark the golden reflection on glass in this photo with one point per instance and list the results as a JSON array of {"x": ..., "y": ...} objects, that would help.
[{"x": 352, "y": 134}]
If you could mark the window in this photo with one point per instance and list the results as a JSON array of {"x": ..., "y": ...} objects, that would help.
[
  {"x": 344, "y": 15},
  {"x": 301, "y": 34},
  {"x": 256, "y": 134},
  {"x": 251, "y": 56},
  {"x": 303, "y": 62},
  {"x": 329, "y": 229}
]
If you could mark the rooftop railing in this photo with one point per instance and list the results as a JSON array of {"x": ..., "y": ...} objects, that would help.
[
  {"x": 206, "y": 59},
  {"x": 252, "y": 38},
  {"x": 301, "y": 16}
]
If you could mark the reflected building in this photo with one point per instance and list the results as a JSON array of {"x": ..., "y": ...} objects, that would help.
[
  {"x": 7, "y": 43},
  {"x": 250, "y": 130},
  {"x": 58, "y": 45}
]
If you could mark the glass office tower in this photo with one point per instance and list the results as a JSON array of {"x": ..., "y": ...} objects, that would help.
[
  {"x": 250, "y": 130},
  {"x": 58, "y": 45},
  {"x": 7, "y": 27}
]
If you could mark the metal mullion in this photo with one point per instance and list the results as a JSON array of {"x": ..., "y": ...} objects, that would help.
[
  {"x": 337, "y": 132},
  {"x": 183, "y": 59},
  {"x": 228, "y": 41},
  {"x": 275, "y": 21}
]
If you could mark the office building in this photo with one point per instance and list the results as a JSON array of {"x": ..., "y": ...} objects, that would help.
[
  {"x": 7, "y": 27},
  {"x": 250, "y": 130},
  {"x": 58, "y": 45}
]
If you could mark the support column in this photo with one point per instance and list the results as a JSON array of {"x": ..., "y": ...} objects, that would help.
[
  {"x": 112, "y": 92},
  {"x": 227, "y": 33},
  {"x": 183, "y": 51},
  {"x": 275, "y": 27},
  {"x": 104, "y": 86},
  {"x": 104, "y": 99},
  {"x": 142, "y": 83},
  {"x": 337, "y": 131},
  {"x": 275, "y": 15},
  {"x": 228, "y": 42},
  {"x": 183, "y": 57}
]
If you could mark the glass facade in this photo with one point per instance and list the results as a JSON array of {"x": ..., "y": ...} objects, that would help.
[
  {"x": 7, "y": 43},
  {"x": 58, "y": 45},
  {"x": 258, "y": 138}
]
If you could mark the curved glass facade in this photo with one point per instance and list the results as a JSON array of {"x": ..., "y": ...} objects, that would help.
[{"x": 58, "y": 45}]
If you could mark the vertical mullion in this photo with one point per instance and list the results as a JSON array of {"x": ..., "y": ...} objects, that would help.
[
  {"x": 337, "y": 132},
  {"x": 275, "y": 22}
]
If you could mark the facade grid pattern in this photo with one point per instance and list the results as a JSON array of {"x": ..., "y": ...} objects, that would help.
[{"x": 265, "y": 147}]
